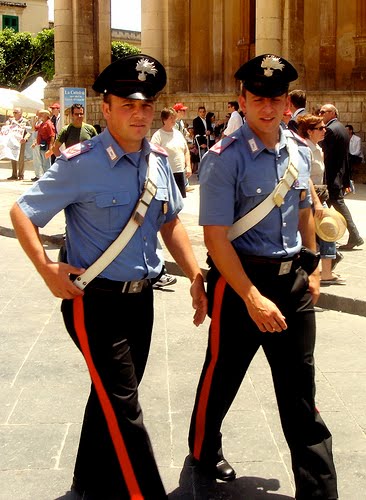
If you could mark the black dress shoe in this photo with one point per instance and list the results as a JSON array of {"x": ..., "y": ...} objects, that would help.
[
  {"x": 222, "y": 470},
  {"x": 351, "y": 245}
]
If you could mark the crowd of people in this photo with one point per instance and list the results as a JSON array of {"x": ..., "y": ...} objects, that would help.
[{"x": 263, "y": 279}]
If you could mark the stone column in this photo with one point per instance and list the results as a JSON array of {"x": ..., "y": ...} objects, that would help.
[
  {"x": 153, "y": 28},
  {"x": 268, "y": 27},
  {"x": 359, "y": 71},
  {"x": 328, "y": 40},
  {"x": 293, "y": 38}
]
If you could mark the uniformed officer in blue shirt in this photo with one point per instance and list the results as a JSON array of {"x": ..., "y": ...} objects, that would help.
[
  {"x": 259, "y": 296},
  {"x": 98, "y": 184}
]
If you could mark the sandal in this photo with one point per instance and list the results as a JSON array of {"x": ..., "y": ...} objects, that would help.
[{"x": 337, "y": 280}]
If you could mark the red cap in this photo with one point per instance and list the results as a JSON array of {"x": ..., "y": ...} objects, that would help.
[
  {"x": 179, "y": 106},
  {"x": 55, "y": 105}
]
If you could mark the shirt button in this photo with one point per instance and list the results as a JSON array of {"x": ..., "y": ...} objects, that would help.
[
  {"x": 114, "y": 200},
  {"x": 284, "y": 224},
  {"x": 145, "y": 238},
  {"x": 259, "y": 190}
]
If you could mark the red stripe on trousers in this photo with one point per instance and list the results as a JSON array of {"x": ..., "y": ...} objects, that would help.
[
  {"x": 206, "y": 385},
  {"x": 110, "y": 416}
]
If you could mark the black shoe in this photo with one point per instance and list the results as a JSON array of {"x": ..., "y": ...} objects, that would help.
[
  {"x": 35, "y": 179},
  {"x": 222, "y": 470},
  {"x": 351, "y": 245},
  {"x": 12, "y": 178}
]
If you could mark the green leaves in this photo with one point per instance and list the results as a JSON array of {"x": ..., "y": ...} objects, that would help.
[
  {"x": 24, "y": 57},
  {"x": 122, "y": 49}
]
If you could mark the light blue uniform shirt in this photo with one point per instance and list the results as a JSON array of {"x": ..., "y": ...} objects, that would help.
[
  {"x": 98, "y": 190},
  {"x": 236, "y": 175}
]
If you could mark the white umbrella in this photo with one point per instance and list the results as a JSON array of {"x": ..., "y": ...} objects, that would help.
[
  {"x": 36, "y": 89},
  {"x": 10, "y": 99}
]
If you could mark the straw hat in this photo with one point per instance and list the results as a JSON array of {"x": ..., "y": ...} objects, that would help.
[{"x": 332, "y": 226}]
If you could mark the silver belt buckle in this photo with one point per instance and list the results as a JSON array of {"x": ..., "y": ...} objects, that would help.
[
  {"x": 285, "y": 267},
  {"x": 135, "y": 286}
]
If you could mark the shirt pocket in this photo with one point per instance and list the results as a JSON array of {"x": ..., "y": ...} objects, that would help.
[
  {"x": 114, "y": 209},
  {"x": 257, "y": 187}
]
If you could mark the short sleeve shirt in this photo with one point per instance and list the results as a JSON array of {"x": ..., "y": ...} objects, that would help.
[
  {"x": 98, "y": 190},
  {"x": 239, "y": 173},
  {"x": 70, "y": 135}
]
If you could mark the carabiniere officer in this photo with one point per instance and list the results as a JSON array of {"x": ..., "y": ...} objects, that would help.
[
  {"x": 259, "y": 296},
  {"x": 98, "y": 183}
]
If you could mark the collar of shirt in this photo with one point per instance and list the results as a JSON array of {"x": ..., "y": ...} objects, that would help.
[
  {"x": 297, "y": 112},
  {"x": 255, "y": 145},
  {"x": 114, "y": 152}
]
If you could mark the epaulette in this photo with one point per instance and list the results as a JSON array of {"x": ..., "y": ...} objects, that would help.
[
  {"x": 294, "y": 135},
  {"x": 220, "y": 146},
  {"x": 77, "y": 149},
  {"x": 158, "y": 149}
]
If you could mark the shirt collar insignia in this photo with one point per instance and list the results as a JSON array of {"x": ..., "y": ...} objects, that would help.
[
  {"x": 111, "y": 153},
  {"x": 253, "y": 145}
]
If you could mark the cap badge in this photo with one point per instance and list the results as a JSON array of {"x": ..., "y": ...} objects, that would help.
[
  {"x": 270, "y": 63},
  {"x": 144, "y": 67}
]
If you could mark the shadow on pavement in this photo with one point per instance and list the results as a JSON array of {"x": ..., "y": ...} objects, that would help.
[{"x": 193, "y": 484}]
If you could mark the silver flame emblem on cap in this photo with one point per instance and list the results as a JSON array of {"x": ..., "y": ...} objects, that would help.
[
  {"x": 270, "y": 63},
  {"x": 145, "y": 67}
]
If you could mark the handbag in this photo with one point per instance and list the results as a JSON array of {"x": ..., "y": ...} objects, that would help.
[{"x": 322, "y": 192}]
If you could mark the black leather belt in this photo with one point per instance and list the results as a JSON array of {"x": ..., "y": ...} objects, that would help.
[
  {"x": 267, "y": 260},
  {"x": 105, "y": 285},
  {"x": 279, "y": 266}
]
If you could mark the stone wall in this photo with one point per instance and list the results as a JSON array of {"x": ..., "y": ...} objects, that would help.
[{"x": 351, "y": 107}]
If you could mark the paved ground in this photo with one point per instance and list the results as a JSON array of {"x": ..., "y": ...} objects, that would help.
[{"x": 44, "y": 385}]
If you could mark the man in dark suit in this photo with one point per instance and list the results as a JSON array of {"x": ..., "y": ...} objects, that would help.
[
  {"x": 200, "y": 130},
  {"x": 335, "y": 148},
  {"x": 297, "y": 100}
]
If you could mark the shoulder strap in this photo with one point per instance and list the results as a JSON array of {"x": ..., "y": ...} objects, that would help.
[
  {"x": 276, "y": 198},
  {"x": 136, "y": 220}
]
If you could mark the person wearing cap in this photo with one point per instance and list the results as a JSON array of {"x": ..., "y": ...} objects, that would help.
[
  {"x": 259, "y": 295},
  {"x": 76, "y": 131},
  {"x": 18, "y": 120},
  {"x": 45, "y": 139},
  {"x": 180, "y": 125},
  {"x": 98, "y": 184}
]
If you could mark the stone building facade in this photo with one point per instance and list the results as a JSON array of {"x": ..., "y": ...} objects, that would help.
[
  {"x": 202, "y": 42},
  {"x": 31, "y": 15}
]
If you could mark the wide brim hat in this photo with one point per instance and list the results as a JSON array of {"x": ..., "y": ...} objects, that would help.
[
  {"x": 139, "y": 77},
  {"x": 267, "y": 75},
  {"x": 332, "y": 226}
]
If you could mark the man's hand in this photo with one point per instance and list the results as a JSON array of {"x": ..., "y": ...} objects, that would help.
[
  {"x": 199, "y": 300},
  {"x": 265, "y": 313},
  {"x": 314, "y": 286},
  {"x": 56, "y": 277}
]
